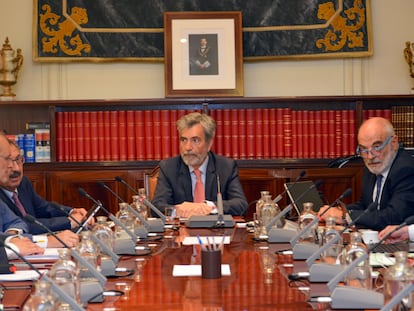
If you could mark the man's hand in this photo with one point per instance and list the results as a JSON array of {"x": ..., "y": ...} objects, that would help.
[
  {"x": 79, "y": 214},
  {"x": 187, "y": 209},
  {"x": 26, "y": 246},
  {"x": 71, "y": 239},
  {"x": 335, "y": 212},
  {"x": 397, "y": 236}
]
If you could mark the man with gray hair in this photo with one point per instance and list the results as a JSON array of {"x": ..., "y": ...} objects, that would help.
[{"x": 189, "y": 182}]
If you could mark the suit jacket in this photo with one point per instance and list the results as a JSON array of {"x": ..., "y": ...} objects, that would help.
[
  {"x": 42, "y": 210},
  {"x": 397, "y": 198},
  {"x": 9, "y": 220},
  {"x": 174, "y": 184}
]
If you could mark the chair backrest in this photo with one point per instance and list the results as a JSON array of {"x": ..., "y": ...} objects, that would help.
[{"x": 150, "y": 181}]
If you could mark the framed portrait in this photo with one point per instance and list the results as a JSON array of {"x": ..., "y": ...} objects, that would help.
[{"x": 203, "y": 54}]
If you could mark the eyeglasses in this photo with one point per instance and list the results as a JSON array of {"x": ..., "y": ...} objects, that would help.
[
  {"x": 374, "y": 150},
  {"x": 18, "y": 160},
  {"x": 195, "y": 141}
]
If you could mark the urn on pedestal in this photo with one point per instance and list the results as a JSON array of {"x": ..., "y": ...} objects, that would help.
[{"x": 10, "y": 63}]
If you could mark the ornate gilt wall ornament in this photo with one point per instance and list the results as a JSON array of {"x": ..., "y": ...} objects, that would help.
[
  {"x": 408, "y": 55},
  {"x": 59, "y": 32},
  {"x": 10, "y": 63},
  {"x": 345, "y": 30}
]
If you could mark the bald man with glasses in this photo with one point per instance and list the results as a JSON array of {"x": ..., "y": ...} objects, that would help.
[{"x": 387, "y": 182}]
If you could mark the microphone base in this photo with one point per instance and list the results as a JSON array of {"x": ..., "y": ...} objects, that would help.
[
  {"x": 141, "y": 232},
  {"x": 347, "y": 297},
  {"x": 107, "y": 266},
  {"x": 302, "y": 251},
  {"x": 280, "y": 235},
  {"x": 323, "y": 272},
  {"x": 90, "y": 288},
  {"x": 124, "y": 247},
  {"x": 156, "y": 225},
  {"x": 210, "y": 221}
]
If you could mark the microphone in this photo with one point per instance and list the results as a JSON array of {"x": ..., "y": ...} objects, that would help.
[
  {"x": 145, "y": 200},
  {"x": 340, "y": 162},
  {"x": 122, "y": 246},
  {"x": 60, "y": 207},
  {"x": 220, "y": 220},
  {"x": 90, "y": 288},
  {"x": 398, "y": 298},
  {"x": 279, "y": 196},
  {"x": 361, "y": 298},
  {"x": 281, "y": 235},
  {"x": 58, "y": 290},
  {"x": 302, "y": 251},
  {"x": 141, "y": 232}
]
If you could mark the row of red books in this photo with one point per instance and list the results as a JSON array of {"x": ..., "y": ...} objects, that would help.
[{"x": 258, "y": 133}]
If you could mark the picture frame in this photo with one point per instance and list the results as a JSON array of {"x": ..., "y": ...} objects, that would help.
[{"x": 203, "y": 54}]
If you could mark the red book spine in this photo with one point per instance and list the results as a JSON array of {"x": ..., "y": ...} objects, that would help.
[
  {"x": 87, "y": 139},
  {"x": 122, "y": 136},
  {"x": 287, "y": 132},
  {"x": 352, "y": 131},
  {"x": 234, "y": 121},
  {"x": 60, "y": 137},
  {"x": 130, "y": 135},
  {"x": 107, "y": 136},
  {"x": 325, "y": 134},
  {"x": 101, "y": 135},
  {"x": 294, "y": 134},
  {"x": 149, "y": 134},
  {"x": 388, "y": 114},
  {"x": 317, "y": 131},
  {"x": 94, "y": 134},
  {"x": 266, "y": 133},
  {"x": 331, "y": 134},
  {"x": 218, "y": 142},
  {"x": 79, "y": 136},
  {"x": 165, "y": 134},
  {"x": 250, "y": 130},
  {"x": 227, "y": 132},
  {"x": 299, "y": 133},
  {"x": 305, "y": 133},
  {"x": 156, "y": 116},
  {"x": 338, "y": 133},
  {"x": 258, "y": 140},
  {"x": 273, "y": 131},
  {"x": 140, "y": 135},
  {"x": 174, "y": 133},
  {"x": 115, "y": 134},
  {"x": 345, "y": 133},
  {"x": 242, "y": 133},
  {"x": 311, "y": 134},
  {"x": 280, "y": 133}
]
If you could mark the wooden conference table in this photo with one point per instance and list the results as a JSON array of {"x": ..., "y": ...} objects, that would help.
[{"x": 153, "y": 287}]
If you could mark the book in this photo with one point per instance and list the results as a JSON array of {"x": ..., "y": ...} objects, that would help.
[
  {"x": 37, "y": 125},
  {"x": 148, "y": 132},
  {"x": 235, "y": 142},
  {"x": 122, "y": 136},
  {"x": 258, "y": 133},
  {"x": 140, "y": 135},
  {"x": 273, "y": 132},
  {"x": 156, "y": 134},
  {"x": 96, "y": 129},
  {"x": 29, "y": 146},
  {"x": 107, "y": 135},
  {"x": 114, "y": 135},
  {"x": 59, "y": 136},
  {"x": 227, "y": 138},
  {"x": 242, "y": 133},
  {"x": 250, "y": 133},
  {"x": 101, "y": 135},
  {"x": 130, "y": 135},
  {"x": 287, "y": 132},
  {"x": 79, "y": 137},
  {"x": 87, "y": 140},
  {"x": 266, "y": 133}
]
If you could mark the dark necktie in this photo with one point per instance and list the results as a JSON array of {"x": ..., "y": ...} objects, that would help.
[
  {"x": 19, "y": 204},
  {"x": 199, "y": 195},
  {"x": 378, "y": 187}
]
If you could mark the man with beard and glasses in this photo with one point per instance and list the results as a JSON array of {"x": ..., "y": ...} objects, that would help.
[
  {"x": 46, "y": 212},
  {"x": 387, "y": 182},
  {"x": 189, "y": 181}
]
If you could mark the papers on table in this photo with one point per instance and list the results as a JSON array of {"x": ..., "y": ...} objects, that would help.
[
  {"x": 192, "y": 240},
  {"x": 21, "y": 275},
  {"x": 381, "y": 260},
  {"x": 49, "y": 254},
  {"x": 195, "y": 270}
]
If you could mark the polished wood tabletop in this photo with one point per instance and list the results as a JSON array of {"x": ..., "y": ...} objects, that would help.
[{"x": 258, "y": 279}]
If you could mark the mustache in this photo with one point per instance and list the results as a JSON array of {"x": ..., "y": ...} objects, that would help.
[{"x": 15, "y": 174}]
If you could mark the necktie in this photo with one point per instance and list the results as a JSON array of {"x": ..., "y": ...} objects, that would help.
[
  {"x": 199, "y": 195},
  {"x": 19, "y": 204},
  {"x": 378, "y": 187}
]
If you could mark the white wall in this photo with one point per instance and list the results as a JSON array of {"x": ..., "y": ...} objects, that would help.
[{"x": 384, "y": 73}]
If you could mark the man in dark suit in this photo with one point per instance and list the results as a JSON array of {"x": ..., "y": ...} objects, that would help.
[
  {"x": 46, "y": 212},
  {"x": 388, "y": 179},
  {"x": 178, "y": 184}
]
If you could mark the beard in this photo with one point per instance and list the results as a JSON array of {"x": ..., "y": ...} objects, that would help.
[
  {"x": 380, "y": 166},
  {"x": 192, "y": 159}
]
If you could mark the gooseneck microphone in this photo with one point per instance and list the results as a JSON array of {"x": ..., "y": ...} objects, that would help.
[
  {"x": 279, "y": 196},
  {"x": 340, "y": 162},
  {"x": 60, "y": 207},
  {"x": 145, "y": 200},
  {"x": 59, "y": 292}
]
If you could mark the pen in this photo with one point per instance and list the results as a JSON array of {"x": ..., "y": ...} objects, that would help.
[{"x": 201, "y": 243}]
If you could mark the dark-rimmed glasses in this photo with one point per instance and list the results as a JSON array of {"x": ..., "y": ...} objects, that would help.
[{"x": 374, "y": 150}]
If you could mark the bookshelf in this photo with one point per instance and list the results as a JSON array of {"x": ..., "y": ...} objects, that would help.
[{"x": 262, "y": 165}]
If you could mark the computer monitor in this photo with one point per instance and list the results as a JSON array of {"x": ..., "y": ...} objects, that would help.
[{"x": 295, "y": 190}]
